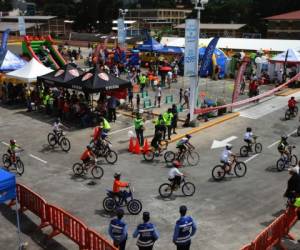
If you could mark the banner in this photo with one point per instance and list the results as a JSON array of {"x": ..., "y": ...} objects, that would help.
[
  {"x": 206, "y": 60},
  {"x": 4, "y": 40},
  {"x": 191, "y": 47},
  {"x": 22, "y": 27},
  {"x": 121, "y": 32},
  {"x": 239, "y": 79}
]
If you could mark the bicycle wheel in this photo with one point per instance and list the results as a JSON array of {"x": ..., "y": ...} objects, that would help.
[
  {"x": 296, "y": 111},
  {"x": 19, "y": 167},
  {"x": 258, "y": 148},
  {"x": 5, "y": 157},
  {"x": 134, "y": 207},
  {"x": 240, "y": 169},
  {"x": 78, "y": 169},
  {"x": 148, "y": 155},
  {"x": 193, "y": 158},
  {"x": 111, "y": 157},
  {"x": 51, "y": 139},
  {"x": 109, "y": 204},
  {"x": 97, "y": 172},
  {"x": 188, "y": 189},
  {"x": 287, "y": 115},
  {"x": 244, "y": 151},
  {"x": 65, "y": 144},
  {"x": 218, "y": 172},
  {"x": 280, "y": 165},
  {"x": 165, "y": 190},
  {"x": 7, "y": 163},
  {"x": 169, "y": 156},
  {"x": 294, "y": 160}
]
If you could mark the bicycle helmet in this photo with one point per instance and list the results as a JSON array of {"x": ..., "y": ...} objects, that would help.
[
  {"x": 117, "y": 175},
  {"x": 12, "y": 141},
  {"x": 249, "y": 129},
  {"x": 228, "y": 146},
  {"x": 284, "y": 137},
  {"x": 89, "y": 146},
  {"x": 188, "y": 136},
  {"x": 57, "y": 120},
  {"x": 176, "y": 164},
  {"x": 292, "y": 98}
]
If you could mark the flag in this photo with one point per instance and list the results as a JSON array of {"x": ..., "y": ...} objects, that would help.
[
  {"x": 206, "y": 60},
  {"x": 4, "y": 40}
]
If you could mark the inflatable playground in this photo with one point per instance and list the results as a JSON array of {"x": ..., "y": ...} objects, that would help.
[{"x": 43, "y": 50}]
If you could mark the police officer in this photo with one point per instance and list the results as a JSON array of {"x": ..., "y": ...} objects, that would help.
[
  {"x": 185, "y": 228},
  {"x": 118, "y": 230},
  {"x": 147, "y": 233},
  {"x": 168, "y": 117}
]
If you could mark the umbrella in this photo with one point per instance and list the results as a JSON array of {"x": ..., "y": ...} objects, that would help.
[{"x": 165, "y": 68}]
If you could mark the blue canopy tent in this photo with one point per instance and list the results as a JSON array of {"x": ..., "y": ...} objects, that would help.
[
  {"x": 8, "y": 192},
  {"x": 10, "y": 61},
  {"x": 171, "y": 50},
  {"x": 150, "y": 45},
  {"x": 221, "y": 60}
]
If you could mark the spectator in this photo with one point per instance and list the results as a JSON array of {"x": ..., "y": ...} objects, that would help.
[
  {"x": 187, "y": 121},
  {"x": 185, "y": 228},
  {"x": 293, "y": 185},
  {"x": 139, "y": 128},
  {"x": 175, "y": 118},
  {"x": 243, "y": 85},
  {"x": 147, "y": 233},
  {"x": 130, "y": 96},
  {"x": 157, "y": 96},
  {"x": 118, "y": 230},
  {"x": 180, "y": 95},
  {"x": 112, "y": 104},
  {"x": 138, "y": 100},
  {"x": 169, "y": 78},
  {"x": 186, "y": 98}
]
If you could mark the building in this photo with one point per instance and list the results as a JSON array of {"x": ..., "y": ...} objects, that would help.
[
  {"x": 38, "y": 25},
  {"x": 284, "y": 26},
  {"x": 216, "y": 29},
  {"x": 155, "y": 19}
]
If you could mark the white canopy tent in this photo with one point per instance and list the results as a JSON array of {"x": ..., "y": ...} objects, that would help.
[
  {"x": 293, "y": 56},
  {"x": 30, "y": 71}
]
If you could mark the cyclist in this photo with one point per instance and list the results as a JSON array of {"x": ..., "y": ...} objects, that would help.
[
  {"x": 184, "y": 144},
  {"x": 225, "y": 157},
  {"x": 118, "y": 185},
  {"x": 156, "y": 141},
  {"x": 96, "y": 134},
  {"x": 87, "y": 155},
  {"x": 292, "y": 104},
  {"x": 58, "y": 127},
  {"x": 175, "y": 175},
  {"x": 283, "y": 146},
  {"x": 104, "y": 124},
  {"x": 248, "y": 138},
  {"x": 12, "y": 149}
]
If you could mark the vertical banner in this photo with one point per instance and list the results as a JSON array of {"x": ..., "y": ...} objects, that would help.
[
  {"x": 239, "y": 78},
  {"x": 4, "y": 40},
  {"x": 207, "y": 58},
  {"x": 191, "y": 47},
  {"x": 121, "y": 32},
  {"x": 22, "y": 28}
]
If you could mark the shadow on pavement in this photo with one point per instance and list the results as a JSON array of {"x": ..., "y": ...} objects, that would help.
[
  {"x": 29, "y": 228},
  {"x": 271, "y": 169},
  {"x": 104, "y": 214}
]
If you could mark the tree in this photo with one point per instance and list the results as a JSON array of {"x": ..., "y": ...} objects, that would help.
[{"x": 5, "y": 5}]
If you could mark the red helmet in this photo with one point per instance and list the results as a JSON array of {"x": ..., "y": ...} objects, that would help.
[
  {"x": 176, "y": 164},
  {"x": 12, "y": 141}
]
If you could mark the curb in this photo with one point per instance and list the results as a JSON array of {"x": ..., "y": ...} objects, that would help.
[
  {"x": 129, "y": 114},
  {"x": 207, "y": 125},
  {"x": 287, "y": 92}
]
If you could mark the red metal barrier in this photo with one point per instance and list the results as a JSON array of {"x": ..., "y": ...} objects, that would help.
[
  {"x": 63, "y": 222},
  {"x": 96, "y": 242},
  {"x": 247, "y": 247},
  {"x": 33, "y": 202}
]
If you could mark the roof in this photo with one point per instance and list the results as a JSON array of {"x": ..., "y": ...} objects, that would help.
[
  {"x": 15, "y": 26},
  {"x": 29, "y": 17},
  {"x": 239, "y": 43},
  {"x": 294, "y": 15},
  {"x": 216, "y": 26}
]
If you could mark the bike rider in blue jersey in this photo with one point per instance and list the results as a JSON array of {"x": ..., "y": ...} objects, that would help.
[
  {"x": 185, "y": 229},
  {"x": 118, "y": 230},
  {"x": 147, "y": 233}
]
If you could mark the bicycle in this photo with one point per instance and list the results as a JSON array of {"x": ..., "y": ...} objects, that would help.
[
  {"x": 18, "y": 165},
  {"x": 246, "y": 149},
  {"x": 151, "y": 153},
  {"x": 104, "y": 150},
  {"x": 285, "y": 161},
  {"x": 219, "y": 171},
  {"x": 110, "y": 203},
  {"x": 289, "y": 114},
  {"x": 191, "y": 156},
  {"x": 166, "y": 189},
  {"x": 60, "y": 139},
  {"x": 80, "y": 169}
]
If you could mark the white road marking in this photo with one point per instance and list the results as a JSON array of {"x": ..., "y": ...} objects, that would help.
[
  {"x": 221, "y": 144},
  {"x": 276, "y": 142},
  {"x": 37, "y": 158},
  {"x": 251, "y": 158},
  {"x": 292, "y": 132},
  {"x": 4, "y": 143}
]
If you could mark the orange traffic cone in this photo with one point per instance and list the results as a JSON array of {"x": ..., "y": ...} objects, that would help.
[
  {"x": 131, "y": 145},
  {"x": 137, "y": 149},
  {"x": 146, "y": 146}
]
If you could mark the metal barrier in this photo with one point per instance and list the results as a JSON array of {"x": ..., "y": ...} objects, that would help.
[
  {"x": 63, "y": 222},
  {"x": 33, "y": 202},
  {"x": 96, "y": 242}
]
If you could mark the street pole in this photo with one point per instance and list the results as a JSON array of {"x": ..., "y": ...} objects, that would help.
[{"x": 122, "y": 28}]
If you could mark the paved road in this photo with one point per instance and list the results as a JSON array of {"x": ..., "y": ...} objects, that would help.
[{"x": 229, "y": 214}]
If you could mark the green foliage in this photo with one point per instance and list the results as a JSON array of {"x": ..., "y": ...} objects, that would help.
[{"x": 5, "y": 5}]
